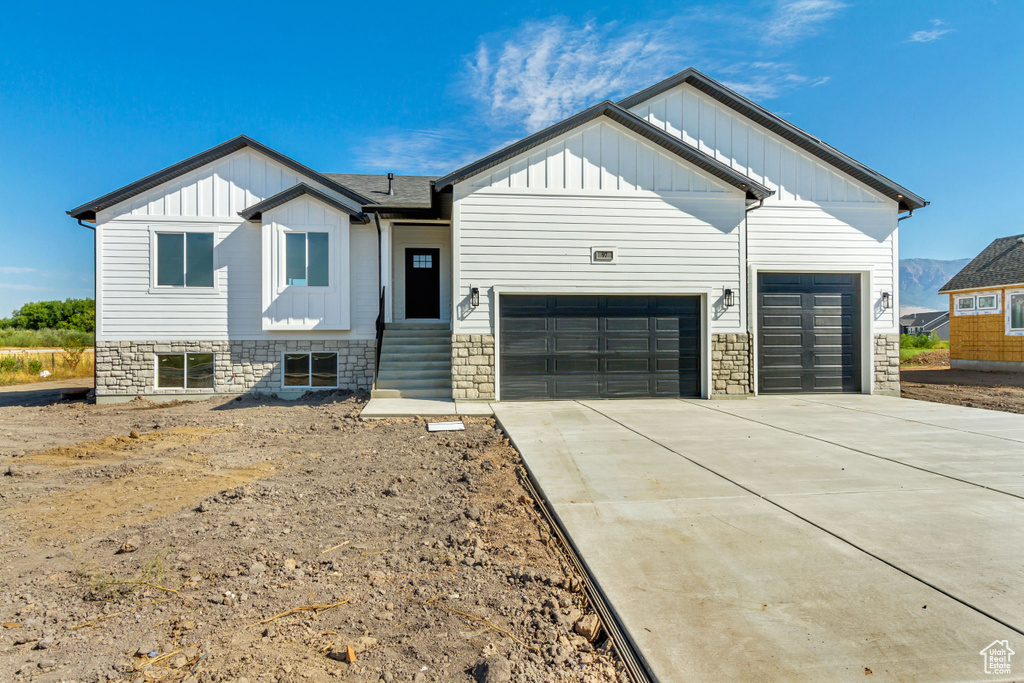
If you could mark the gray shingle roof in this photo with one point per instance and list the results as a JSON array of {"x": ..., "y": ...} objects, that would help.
[
  {"x": 411, "y": 191},
  {"x": 929, "y": 320},
  {"x": 1001, "y": 263}
]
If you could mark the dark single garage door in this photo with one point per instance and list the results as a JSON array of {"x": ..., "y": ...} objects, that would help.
[
  {"x": 572, "y": 346},
  {"x": 809, "y": 332}
]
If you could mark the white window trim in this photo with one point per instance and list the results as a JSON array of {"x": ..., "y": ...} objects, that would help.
[
  {"x": 186, "y": 388},
  {"x": 282, "y": 259},
  {"x": 309, "y": 372},
  {"x": 974, "y": 310},
  {"x": 1011, "y": 331},
  {"x": 154, "y": 288}
]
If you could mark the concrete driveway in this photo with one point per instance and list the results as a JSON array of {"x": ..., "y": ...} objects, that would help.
[{"x": 792, "y": 538}]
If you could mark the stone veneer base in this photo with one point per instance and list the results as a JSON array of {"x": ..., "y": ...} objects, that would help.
[
  {"x": 887, "y": 364},
  {"x": 125, "y": 369}
]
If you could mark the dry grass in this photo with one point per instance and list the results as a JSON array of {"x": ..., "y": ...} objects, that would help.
[{"x": 19, "y": 368}]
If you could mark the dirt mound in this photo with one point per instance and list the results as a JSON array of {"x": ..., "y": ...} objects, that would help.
[
  {"x": 257, "y": 539},
  {"x": 937, "y": 358}
]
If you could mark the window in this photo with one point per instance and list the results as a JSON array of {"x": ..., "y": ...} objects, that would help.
[
  {"x": 184, "y": 371},
  {"x": 311, "y": 370},
  {"x": 184, "y": 259},
  {"x": 987, "y": 302},
  {"x": 982, "y": 303},
  {"x": 422, "y": 261},
  {"x": 1015, "y": 312},
  {"x": 306, "y": 258}
]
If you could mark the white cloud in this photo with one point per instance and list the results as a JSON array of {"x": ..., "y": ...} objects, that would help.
[
  {"x": 14, "y": 270},
  {"x": 795, "y": 19},
  {"x": 766, "y": 80},
  {"x": 520, "y": 81},
  {"x": 931, "y": 34},
  {"x": 418, "y": 152},
  {"x": 548, "y": 70}
]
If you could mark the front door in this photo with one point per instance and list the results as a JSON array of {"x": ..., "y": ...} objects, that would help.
[{"x": 422, "y": 283}]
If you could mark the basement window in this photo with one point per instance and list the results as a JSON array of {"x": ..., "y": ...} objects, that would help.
[
  {"x": 184, "y": 371},
  {"x": 311, "y": 370},
  {"x": 307, "y": 258}
]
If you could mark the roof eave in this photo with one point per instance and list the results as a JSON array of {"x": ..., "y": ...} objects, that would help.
[
  {"x": 256, "y": 211},
  {"x": 89, "y": 210},
  {"x": 752, "y": 188}
]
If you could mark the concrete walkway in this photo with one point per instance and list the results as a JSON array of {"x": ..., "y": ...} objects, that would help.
[
  {"x": 792, "y": 539},
  {"x": 382, "y": 408}
]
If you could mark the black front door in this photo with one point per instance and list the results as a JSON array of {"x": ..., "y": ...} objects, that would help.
[{"x": 422, "y": 283}]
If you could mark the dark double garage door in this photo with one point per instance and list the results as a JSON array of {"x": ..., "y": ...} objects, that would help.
[{"x": 574, "y": 346}]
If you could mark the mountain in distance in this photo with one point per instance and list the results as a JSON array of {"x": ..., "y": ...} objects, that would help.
[{"x": 920, "y": 280}]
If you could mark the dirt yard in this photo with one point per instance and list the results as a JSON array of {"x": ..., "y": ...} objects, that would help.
[
  {"x": 928, "y": 377},
  {"x": 261, "y": 540}
]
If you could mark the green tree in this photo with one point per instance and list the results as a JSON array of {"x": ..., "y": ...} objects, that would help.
[{"x": 70, "y": 314}]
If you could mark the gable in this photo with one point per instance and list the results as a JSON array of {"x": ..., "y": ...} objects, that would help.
[
  {"x": 599, "y": 156},
  {"x": 719, "y": 131},
  {"x": 221, "y": 188}
]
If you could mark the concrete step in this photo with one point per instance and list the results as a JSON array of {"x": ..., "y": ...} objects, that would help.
[
  {"x": 411, "y": 393},
  {"x": 436, "y": 383},
  {"x": 415, "y": 358},
  {"x": 389, "y": 375},
  {"x": 418, "y": 326},
  {"x": 414, "y": 349},
  {"x": 407, "y": 363},
  {"x": 417, "y": 334}
]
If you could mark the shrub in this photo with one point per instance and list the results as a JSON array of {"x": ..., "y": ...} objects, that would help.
[
  {"x": 73, "y": 355},
  {"x": 35, "y": 366},
  {"x": 919, "y": 341},
  {"x": 8, "y": 363}
]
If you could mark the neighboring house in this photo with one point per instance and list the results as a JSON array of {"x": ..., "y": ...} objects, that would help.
[
  {"x": 986, "y": 308},
  {"x": 929, "y": 322},
  {"x": 681, "y": 242}
]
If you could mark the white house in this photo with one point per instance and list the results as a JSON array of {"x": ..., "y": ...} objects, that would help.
[{"x": 681, "y": 242}]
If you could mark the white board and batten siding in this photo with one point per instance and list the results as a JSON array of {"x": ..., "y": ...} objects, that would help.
[
  {"x": 819, "y": 217},
  {"x": 210, "y": 198},
  {"x": 533, "y": 221}
]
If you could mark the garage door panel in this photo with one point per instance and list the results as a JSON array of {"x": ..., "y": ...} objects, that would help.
[
  {"x": 625, "y": 344},
  {"x": 599, "y": 346},
  {"x": 575, "y": 344},
  {"x": 627, "y": 324},
  {"x": 641, "y": 365},
  {"x": 814, "y": 343},
  {"x": 566, "y": 365}
]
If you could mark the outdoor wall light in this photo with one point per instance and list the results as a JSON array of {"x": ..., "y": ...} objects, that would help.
[
  {"x": 886, "y": 301},
  {"x": 474, "y": 296},
  {"x": 729, "y": 298}
]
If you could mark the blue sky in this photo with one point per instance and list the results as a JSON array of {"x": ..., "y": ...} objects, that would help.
[{"x": 96, "y": 95}]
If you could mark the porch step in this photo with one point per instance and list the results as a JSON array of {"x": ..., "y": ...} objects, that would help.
[
  {"x": 396, "y": 327},
  {"x": 415, "y": 361}
]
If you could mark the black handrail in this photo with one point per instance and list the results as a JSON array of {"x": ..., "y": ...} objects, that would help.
[{"x": 380, "y": 332}]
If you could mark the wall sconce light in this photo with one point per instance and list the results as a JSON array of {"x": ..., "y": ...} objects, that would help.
[
  {"x": 886, "y": 301},
  {"x": 474, "y": 296},
  {"x": 729, "y": 298}
]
